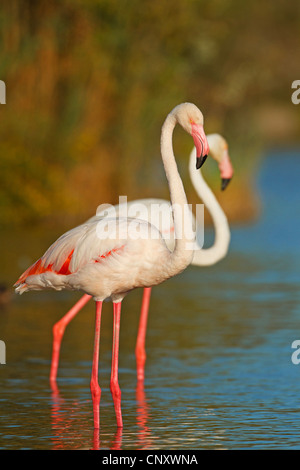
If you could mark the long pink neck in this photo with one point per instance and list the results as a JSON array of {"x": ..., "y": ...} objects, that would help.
[{"x": 182, "y": 255}]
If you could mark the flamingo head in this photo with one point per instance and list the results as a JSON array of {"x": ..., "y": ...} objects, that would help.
[
  {"x": 219, "y": 152},
  {"x": 191, "y": 119}
]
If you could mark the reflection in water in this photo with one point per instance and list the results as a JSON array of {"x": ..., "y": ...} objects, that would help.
[
  {"x": 63, "y": 415},
  {"x": 218, "y": 372},
  {"x": 144, "y": 436},
  {"x": 60, "y": 422}
]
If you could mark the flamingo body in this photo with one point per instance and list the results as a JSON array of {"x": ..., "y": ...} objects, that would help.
[{"x": 105, "y": 269}]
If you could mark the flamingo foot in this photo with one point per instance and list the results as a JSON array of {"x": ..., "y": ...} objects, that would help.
[
  {"x": 116, "y": 394},
  {"x": 114, "y": 382},
  {"x": 94, "y": 385},
  {"x": 96, "y": 396}
]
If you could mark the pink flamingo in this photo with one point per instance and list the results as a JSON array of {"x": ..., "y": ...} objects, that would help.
[
  {"x": 218, "y": 149},
  {"x": 109, "y": 267}
]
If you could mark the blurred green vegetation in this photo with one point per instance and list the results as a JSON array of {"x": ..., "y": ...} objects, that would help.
[{"x": 89, "y": 83}]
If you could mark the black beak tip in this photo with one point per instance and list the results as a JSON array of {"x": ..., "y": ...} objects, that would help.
[
  {"x": 200, "y": 161},
  {"x": 225, "y": 182}
]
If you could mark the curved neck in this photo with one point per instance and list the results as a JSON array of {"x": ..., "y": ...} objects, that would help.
[
  {"x": 208, "y": 256},
  {"x": 184, "y": 234}
]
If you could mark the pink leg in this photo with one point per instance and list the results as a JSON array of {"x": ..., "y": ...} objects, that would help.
[
  {"x": 114, "y": 383},
  {"x": 95, "y": 389},
  {"x": 58, "y": 332},
  {"x": 140, "y": 351}
]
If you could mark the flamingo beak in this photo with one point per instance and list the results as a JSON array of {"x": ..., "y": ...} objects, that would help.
[
  {"x": 201, "y": 144},
  {"x": 200, "y": 161},
  {"x": 226, "y": 170},
  {"x": 224, "y": 183}
]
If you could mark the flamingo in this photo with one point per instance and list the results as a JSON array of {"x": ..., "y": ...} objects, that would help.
[
  {"x": 109, "y": 267},
  {"x": 218, "y": 149}
]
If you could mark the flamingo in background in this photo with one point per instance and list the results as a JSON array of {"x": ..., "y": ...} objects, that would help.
[
  {"x": 218, "y": 149},
  {"x": 109, "y": 267}
]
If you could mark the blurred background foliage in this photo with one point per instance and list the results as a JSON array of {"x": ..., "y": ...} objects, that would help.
[{"x": 89, "y": 83}]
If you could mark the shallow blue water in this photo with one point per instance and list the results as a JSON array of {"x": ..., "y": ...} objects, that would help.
[{"x": 219, "y": 373}]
